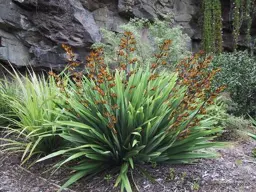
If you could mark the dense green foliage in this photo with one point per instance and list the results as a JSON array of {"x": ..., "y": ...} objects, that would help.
[{"x": 238, "y": 73}]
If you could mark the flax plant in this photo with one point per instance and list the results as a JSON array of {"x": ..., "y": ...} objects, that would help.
[{"x": 133, "y": 114}]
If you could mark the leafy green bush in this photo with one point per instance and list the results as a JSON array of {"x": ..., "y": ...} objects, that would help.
[
  {"x": 238, "y": 72},
  {"x": 151, "y": 36},
  {"x": 134, "y": 114},
  {"x": 31, "y": 109}
]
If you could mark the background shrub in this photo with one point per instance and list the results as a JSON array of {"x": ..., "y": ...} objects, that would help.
[
  {"x": 235, "y": 128},
  {"x": 238, "y": 72},
  {"x": 149, "y": 37}
]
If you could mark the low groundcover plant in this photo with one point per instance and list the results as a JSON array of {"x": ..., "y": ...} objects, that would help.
[{"x": 134, "y": 114}]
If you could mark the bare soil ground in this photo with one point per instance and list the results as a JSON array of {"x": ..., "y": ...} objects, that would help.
[{"x": 233, "y": 171}]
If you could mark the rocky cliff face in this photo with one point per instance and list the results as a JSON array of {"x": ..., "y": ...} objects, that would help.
[{"x": 32, "y": 31}]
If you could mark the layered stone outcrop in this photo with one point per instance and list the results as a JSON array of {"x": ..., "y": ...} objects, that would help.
[{"x": 32, "y": 31}]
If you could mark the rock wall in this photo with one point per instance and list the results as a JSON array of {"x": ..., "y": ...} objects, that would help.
[{"x": 32, "y": 31}]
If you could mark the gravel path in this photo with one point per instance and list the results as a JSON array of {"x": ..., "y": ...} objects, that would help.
[
  {"x": 14, "y": 178},
  {"x": 233, "y": 171}
]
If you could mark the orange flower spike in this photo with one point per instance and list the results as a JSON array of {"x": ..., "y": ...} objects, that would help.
[
  {"x": 135, "y": 60},
  {"x": 110, "y": 78},
  {"x": 168, "y": 41},
  {"x": 153, "y": 77},
  {"x": 179, "y": 119},
  {"x": 111, "y": 85},
  {"x": 114, "y": 107},
  {"x": 101, "y": 92},
  {"x": 158, "y": 56},
  {"x": 90, "y": 65},
  {"x": 90, "y": 76},
  {"x": 100, "y": 76},
  {"x": 132, "y": 87},
  {"x": 100, "y": 81},
  {"x": 123, "y": 40},
  {"x": 164, "y": 62},
  {"x": 192, "y": 108},
  {"x": 132, "y": 49},
  {"x": 79, "y": 84},
  {"x": 122, "y": 46},
  {"x": 153, "y": 66},
  {"x": 111, "y": 125},
  {"x": 127, "y": 33},
  {"x": 113, "y": 95},
  {"x": 166, "y": 48},
  {"x": 201, "y": 52},
  {"x": 106, "y": 114},
  {"x": 51, "y": 73},
  {"x": 131, "y": 61},
  {"x": 95, "y": 88},
  {"x": 133, "y": 41},
  {"x": 153, "y": 89},
  {"x": 101, "y": 62},
  {"x": 203, "y": 111},
  {"x": 123, "y": 66},
  {"x": 121, "y": 53},
  {"x": 113, "y": 119}
]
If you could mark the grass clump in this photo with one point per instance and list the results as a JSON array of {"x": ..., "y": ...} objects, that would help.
[
  {"x": 31, "y": 106},
  {"x": 253, "y": 135},
  {"x": 5, "y": 89}
]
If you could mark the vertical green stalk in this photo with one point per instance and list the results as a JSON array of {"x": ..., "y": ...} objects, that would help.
[
  {"x": 248, "y": 21},
  {"x": 218, "y": 26},
  {"x": 236, "y": 21},
  {"x": 207, "y": 26},
  {"x": 212, "y": 26}
]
